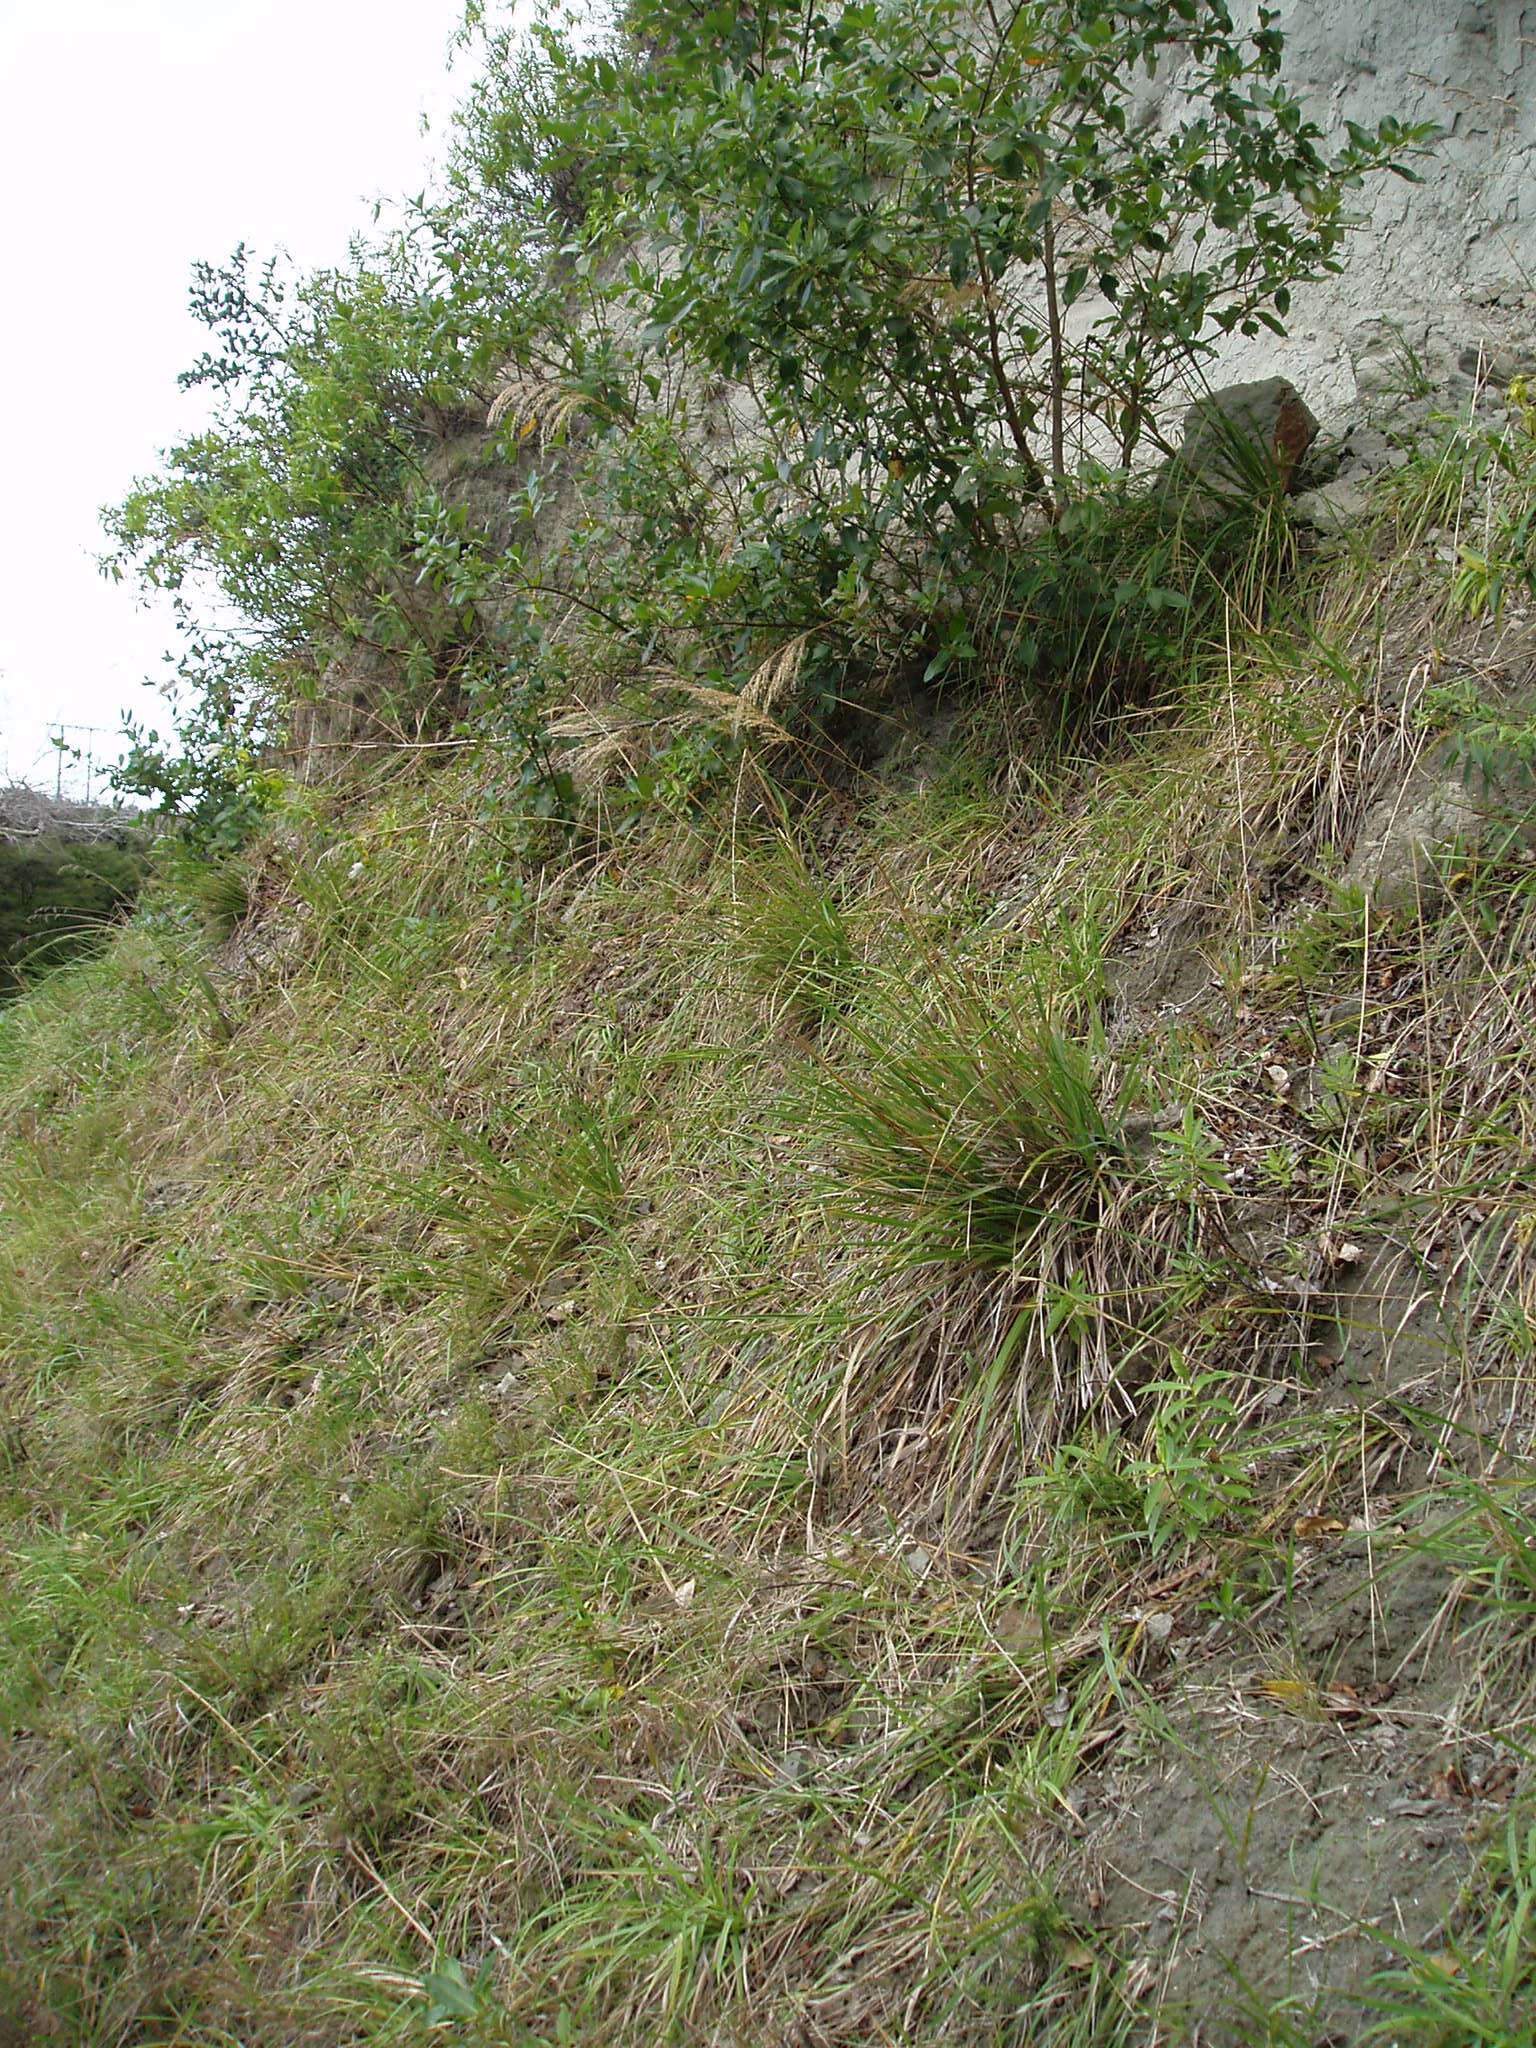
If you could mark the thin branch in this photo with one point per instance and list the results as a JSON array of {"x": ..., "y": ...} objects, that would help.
[{"x": 1058, "y": 362}]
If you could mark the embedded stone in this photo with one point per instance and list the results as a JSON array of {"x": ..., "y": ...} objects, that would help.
[
  {"x": 1238, "y": 438},
  {"x": 1410, "y": 841}
]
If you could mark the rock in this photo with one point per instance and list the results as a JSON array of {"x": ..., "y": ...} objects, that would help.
[
  {"x": 1232, "y": 436},
  {"x": 1366, "y": 451},
  {"x": 1490, "y": 364},
  {"x": 1335, "y": 507},
  {"x": 1399, "y": 854},
  {"x": 795, "y": 1768},
  {"x": 1408, "y": 842}
]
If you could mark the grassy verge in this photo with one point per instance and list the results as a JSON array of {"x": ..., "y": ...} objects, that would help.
[{"x": 620, "y": 1449}]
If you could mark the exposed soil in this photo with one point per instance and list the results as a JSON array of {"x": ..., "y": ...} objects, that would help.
[
  {"x": 1313, "y": 1797},
  {"x": 1316, "y": 1767}
]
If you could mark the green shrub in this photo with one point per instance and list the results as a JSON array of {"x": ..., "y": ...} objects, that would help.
[{"x": 880, "y": 218}]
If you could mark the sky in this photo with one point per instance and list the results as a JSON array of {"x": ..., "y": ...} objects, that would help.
[{"x": 137, "y": 136}]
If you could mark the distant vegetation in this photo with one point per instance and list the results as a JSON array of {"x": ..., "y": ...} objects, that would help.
[{"x": 58, "y": 899}]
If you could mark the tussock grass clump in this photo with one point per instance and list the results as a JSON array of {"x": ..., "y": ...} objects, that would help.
[
  {"x": 1021, "y": 1252},
  {"x": 794, "y": 939},
  {"x": 223, "y": 892},
  {"x": 550, "y": 1178},
  {"x": 971, "y": 1138}
]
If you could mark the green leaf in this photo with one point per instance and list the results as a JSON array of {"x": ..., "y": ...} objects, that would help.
[{"x": 448, "y": 1995}]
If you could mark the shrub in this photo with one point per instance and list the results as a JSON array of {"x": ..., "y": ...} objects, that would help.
[
  {"x": 837, "y": 334},
  {"x": 301, "y": 523},
  {"x": 953, "y": 266}
]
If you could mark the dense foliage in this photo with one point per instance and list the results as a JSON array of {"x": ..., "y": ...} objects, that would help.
[{"x": 815, "y": 345}]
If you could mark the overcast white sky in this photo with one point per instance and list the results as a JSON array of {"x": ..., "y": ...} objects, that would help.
[{"x": 135, "y": 137}]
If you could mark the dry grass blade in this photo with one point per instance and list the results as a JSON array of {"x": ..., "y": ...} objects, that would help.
[
  {"x": 737, "y": 710},
  {"x": 775, "y": 677}
]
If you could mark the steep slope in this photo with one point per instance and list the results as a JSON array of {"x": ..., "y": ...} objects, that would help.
[
  {"x": 797, "y": 1308},
  {"x": 903, "y": 1419}
]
